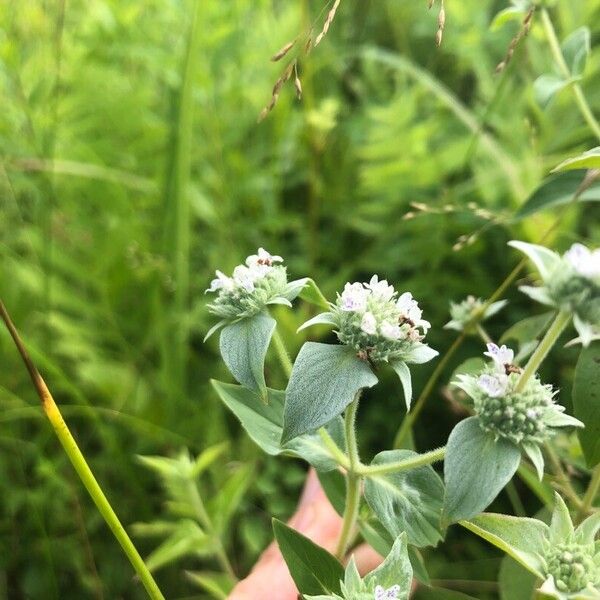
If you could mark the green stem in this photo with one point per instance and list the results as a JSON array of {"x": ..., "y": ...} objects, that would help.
[
  {"x": 582, "y": 104},
  {"x": 411, "y": 417},
  {"x": 590, "y": 494},
  {"x": 353, "y": 479},
  {"x": 562, "y": 478},
  {"x": 404, "y": 465},
  {"x": 207, "y": 523},
  {"x": 81, "y": 467},
  {"x": 282, "y": 353},
  {"x": 334, "y": 449},
  {"x": 483, "y": 334},
  {"x": 558, "y": 325}
]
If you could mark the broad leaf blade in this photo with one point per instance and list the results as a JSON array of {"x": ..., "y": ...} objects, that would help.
[
  {"x": 312, "y": 568},
  {"x": 521, "y": 538},
  {"x": 476, "y": 468},
  {"x": 324, "y": 381},
  {"x": 587, "y": 160},
  {"x": 244, "y": 346},
  {"x": 586, "y": 402},
  {"x": 395, "y": 569},
  {"x": 408, "y": 501}
]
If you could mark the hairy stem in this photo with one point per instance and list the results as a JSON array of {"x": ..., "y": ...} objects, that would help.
[
  {"x": 282, "y": 354},
  {"x": 562, "y": 478},
  {"x": 556, "y": 328},
  {"x": 559, "y": 59},
  {"x": 334, "y": 449},
  {"x": 79, "y": 463},
  {"x": 405, "y": 465},
  {"x": 353, "y": 479}
]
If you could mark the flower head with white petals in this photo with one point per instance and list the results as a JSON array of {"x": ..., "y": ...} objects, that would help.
[
  {"x": 570, "y": 283},
  {"x": 527, "y": 416},
  {"x": 251, "y": 287}
]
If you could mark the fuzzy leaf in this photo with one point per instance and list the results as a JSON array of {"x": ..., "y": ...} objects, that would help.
[
  {"x": 586, "y": 402},
  {"x": 536, "y": 457},
  {"x": 561, "y": 525},
  {"x": 546, "y": 261},
  {"x": 395, "y": 569},
  {"x": 325, "y": 318},
  {"x": 403, "y": 372},
  {"x": 244, "y": 347},
  {"x": 476, "y": 468},
  {"x": 409, "y": 501},
  {"x": 264, "y": 424},
  {"x": 515, "y": 581},
  {"x": 521, "y": 538},
  {"x": 312, "y": 568},
  {"x": 311, "y": 293},
  {"x": 421, "y": 354},
  {"x": 324, "y": 381}
]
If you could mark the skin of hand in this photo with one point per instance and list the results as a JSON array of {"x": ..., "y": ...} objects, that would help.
[{"x": 316, "y": 519}]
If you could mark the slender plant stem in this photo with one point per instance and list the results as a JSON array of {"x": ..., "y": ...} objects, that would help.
[
  {"x": 563, "y": 479},
  {"x": 207, "y": 523},
  {"x": 353, "y": 479},
  {"x": 282, "y": 353},
  {"x": 582, "y": 104},
  {"x": 404, "y": 465},
  {"x": 79, "y": 463},
  {"x": 515, "y": 499},
  {"x": 590, "y": 495},
  {"x": 334, "y": 449},
  {"x": 483, "y": 334},
  {"x": 411, "y": 417},
  {"x": 556, "y": 328}
]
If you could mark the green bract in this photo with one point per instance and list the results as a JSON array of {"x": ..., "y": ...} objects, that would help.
[
  {"x": 565, "y": 558},
  {"x": 526, "y": 417},
  {"x": 470, "y": 311},
  {"x": 380, "y": 327},
  {"x": 570, "y": 283}
]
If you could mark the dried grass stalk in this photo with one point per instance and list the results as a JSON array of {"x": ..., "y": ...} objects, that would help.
[
  {"x": 283, "y": 78},
  {"x": 441, "y": 24},
  {"x": 523, "y": 31},
  {"x": 328, "y": 22},
  {"x": 283, "y": 51}
]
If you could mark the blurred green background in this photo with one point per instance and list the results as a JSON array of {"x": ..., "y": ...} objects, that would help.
[{"x": 132, "y": 165}]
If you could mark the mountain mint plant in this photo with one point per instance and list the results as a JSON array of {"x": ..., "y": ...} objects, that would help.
[{"x": 398, "y": 502}]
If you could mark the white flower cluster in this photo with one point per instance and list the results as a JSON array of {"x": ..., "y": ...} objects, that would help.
[
  {"x": 390, "y": 594},
  {"x": 373, "y": 320},
  {"x": 583, "y": 261},
  {"x": 524, "y": 416},
  {"x": 252, "y": 286},
  {"x": 470, "y": 311}
]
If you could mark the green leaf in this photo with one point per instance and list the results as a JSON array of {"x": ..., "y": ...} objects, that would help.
[
  {"x": 561, "y": 525},
  {"x": 324, "y": 381},
  {"x": 522, "y": 538},
  {"x": 557, "y": 190},
  {"x": 395, "y": 569},
  {"x": 476, "y": 468},
  {"x": 263, "y": 422},
  {"x": 576, "y": 49},
  {"x": 545, "y": 87},
  {"x": 587, "y": 160},
  {"x": 527, "y": 329},
  {"x": 545, "y": 261},
  {"x": 516, "y": 582},
  {"x": 325, "y": 318},
  {"x": 586, "y": 402},
  {"x": 244, "y": 347},
  {"x": 407, "y": 501},
  {"x": 403, "y": 372},
  {"x": 334, "y": 486},
  {"x": 512, "y": 13},
  {"x": 536, "y": 457},
  {"x": 223, "y": 506},
  {"x": 312, "y": 568},
  {"x": 218, "y": 585},
  {"x": 312, "y": 294},
  {"x": 207, "y": 457},
  {"x": 586, "y": 532}
]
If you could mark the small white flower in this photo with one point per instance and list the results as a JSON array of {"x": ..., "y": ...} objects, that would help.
[
  {"x": 494, "y": 386},
  {"x": 354, "y": 297},
  {"x": 501, "y": 355},
  {"x": 245, "y": 277},
  {"x": 369, "y": 324},
  {"x": 381, "y": 289},
  {"x": 584, "y": 261},
  {"x": 222, "y": 282},
  {"x": 263, "y": 258},
  {"x": 409, "y": 307},
  {"x": 391, "y": 331},
  {"x": 532, "y": 413},
  {"x": 390, "y": 594}
]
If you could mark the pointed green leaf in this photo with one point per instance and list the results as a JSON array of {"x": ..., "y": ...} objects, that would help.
[
  {"x": 312, "y": 568},
  {"x": 334, "y": 486},
  {"x": 546, "y": 261},
  {"x": 587, "y": 160},
  {"x": 522, "y": 538},
  {"x": 420, "y": 354},
  {"x": 264, "y": 424},
  {"x": 545, "y": 88},
  {"x": 407, "y": 501},
  {"x": 586, "y": 401},
  {"x": 476, "y": 468},
  {"x": 403, "y": 373},
  {"x": 536, "y": 457},
  {"x": 561, "y": 525},
  {"x": 218, "y": 585},
  {"x": 244, "y": 347},
  {"x": 576, "y": 49},
  {"x": 325, "y": 318},
  {"x": 395, "y": 569},
  {"x": 586, "y": 532},
  {"x": 324, "y": 381},
  {"x": 559, "y": 189},
  {"x": 311, "y": 293}
]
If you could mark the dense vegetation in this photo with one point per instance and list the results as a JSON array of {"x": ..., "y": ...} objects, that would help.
[{"x": 132, "y": 165}]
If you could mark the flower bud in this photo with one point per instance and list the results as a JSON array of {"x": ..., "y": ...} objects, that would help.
[{"x": 572, "y": 567}]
